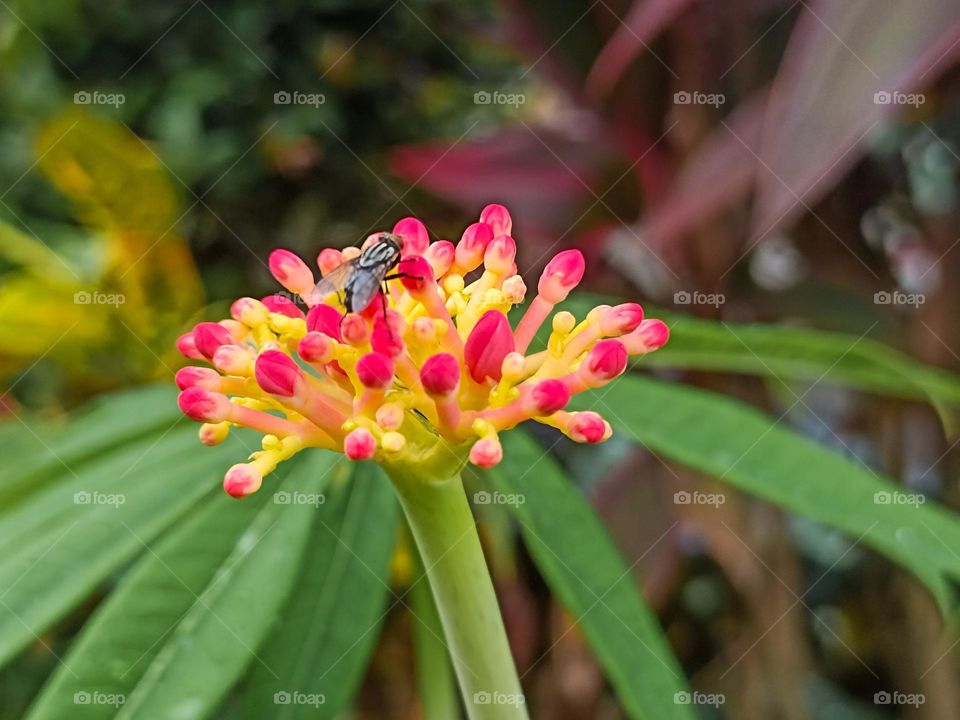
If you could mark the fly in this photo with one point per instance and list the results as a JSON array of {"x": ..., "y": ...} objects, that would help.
[{"x": 360, "y": 278}]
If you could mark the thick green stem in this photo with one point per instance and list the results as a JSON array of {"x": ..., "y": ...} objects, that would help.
[
  {"x": 435, "y": 682},
  {"x": 445, "y": 533}
]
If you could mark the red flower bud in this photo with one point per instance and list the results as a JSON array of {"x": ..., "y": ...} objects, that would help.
[
  {"x": 486, "y": 452},
  {"x": 621, "y": 319},
  {"x": 473, "y": 243},
  {"x": 204, "y": 405},
  {"x": 417, "y": 273},
  {"x": 187, "y": 346},
  {"x": 562, "y": 274},
  {"x": 440, "y": 255},
  {"x": 440, "y": 374},
  {"x": 190, "y": 376},
  {"x": 282, "y": 305},
  {"x": 498, "y": 218},
  {"x": 499, "y": 255},
  {"x": 208, "y": 336},
  {"x": 414, "y": 235},
  {"x": 316, "y": 347},
  {"x": 242, "y": 480},
  {"x": 277, "y": 373},
  {"x": 290, "y": 271},
  {"x": 490, "y": 341},
  {"x": 587, "y": 427},
  {"x": 650, "y": 335},
  {"x": 329, "y": 260},
  {"x": 375, "y": 370},
  {"x": 549, "y": 396},
  {"x": 325, "y": 319},
  {"x": 607, "y": 359},
  {"x": 360, "y": 444}
]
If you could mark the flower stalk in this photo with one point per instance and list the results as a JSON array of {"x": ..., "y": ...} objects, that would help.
[{"x": 446, "y": 536}]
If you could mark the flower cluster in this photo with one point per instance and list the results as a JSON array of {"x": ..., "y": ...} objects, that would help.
[{"x": 432, "y": 373}]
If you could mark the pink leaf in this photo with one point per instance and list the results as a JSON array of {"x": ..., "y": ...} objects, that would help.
[{"x": 823, "y": 109}]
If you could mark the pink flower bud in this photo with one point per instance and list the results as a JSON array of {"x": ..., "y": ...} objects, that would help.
[
  {"x": 360, "y": 444},
  {"x": 499, "y": 255},
  {"x": 277, "y": 373},
  {"x": 498, "y": 218},
  {"x": 473, "y": 243},
  {"x": 232, "y": 360},
  {"x": 242, "y": 480},
  {"x": 375, "y": 370},
  {"x": 291, "y": 272},
  {"x": 486, "y": 452},
  {"x": 316, "y": 347},
  {"x": 417, "y": 274},
  {"x": 440, "y": 255},
  {"x": 606, "y": 360},
  {"x": 187, "y": 346},
  {"x": 621, "y": 319},
  {"x": 249, "y": 311},
  {"x": 355, "y": 329},
  {"x": 387, "y": 340},
  {"x": 490, "y": 341},
  {"x": 549, "y": 396},
  {"x": 209, "y": 336},
  {"x": 190, "y": 376},
  {"x": 562, "y": 274},
  {"x": 282, "y": 305},
  {"x": 326, "y": 319},
  {"x": 650, "y": 335},
  {"x": 329, "y": 260},
  {"x": 588, "y": 427},
  {"x": 204, "y": 405},
  {"x": 440, "y": 374},
  {"x": 414, "y": 235}
]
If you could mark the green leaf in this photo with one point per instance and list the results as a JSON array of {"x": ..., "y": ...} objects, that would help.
[
  {"x": 45, "y": 450},
  {"x": 227, "y": 620},
  {"x": 789, "y": 353},
  {"x": 318, "y": 654},
  {"x": 577, "y": 558},
  {"x": 748, "y": 449},
  {"x": 63, "y": 541},
  {"x": 125, "y": 634}
]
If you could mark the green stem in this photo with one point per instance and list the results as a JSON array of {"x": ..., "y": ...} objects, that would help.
[
  {"x": 438, "y": 689},
  {"x": 446, "y": 536}
]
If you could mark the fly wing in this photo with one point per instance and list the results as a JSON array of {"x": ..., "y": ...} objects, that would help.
[
  {"x": 333, "y": 281},
  {"x": 364, "y": 286}
]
